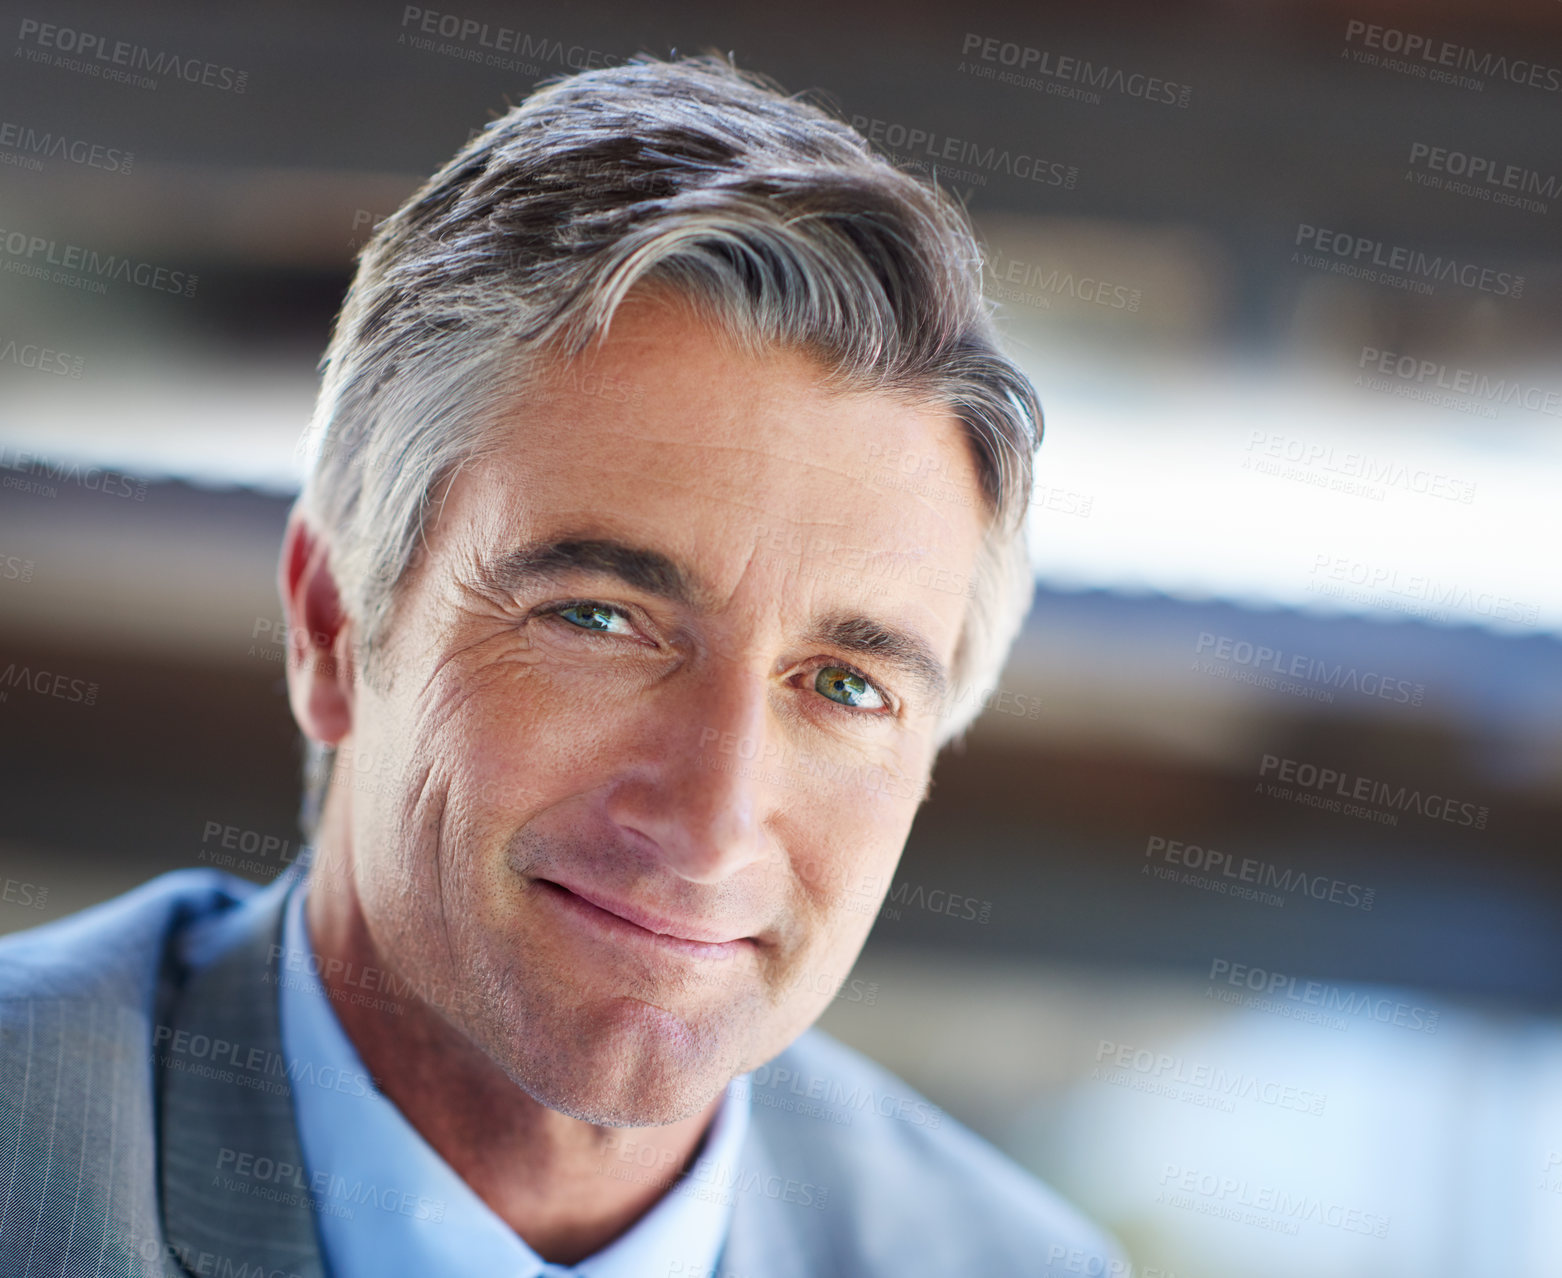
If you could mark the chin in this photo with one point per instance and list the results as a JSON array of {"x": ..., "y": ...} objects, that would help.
[{"x": 624, "y": 1063}]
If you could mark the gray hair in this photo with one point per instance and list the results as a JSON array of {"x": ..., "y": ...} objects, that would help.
[{"x": 772, "y": 216}]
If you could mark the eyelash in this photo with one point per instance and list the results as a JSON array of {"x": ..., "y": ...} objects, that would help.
[
  {"x": 554, "y": 609},
  {"x": 890, "y": 707}
]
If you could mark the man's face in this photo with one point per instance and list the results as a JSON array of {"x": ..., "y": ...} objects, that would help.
[{"x": 656, "y": 712}]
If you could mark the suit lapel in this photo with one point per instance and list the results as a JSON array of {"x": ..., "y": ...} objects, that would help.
[{"x": 234, "y": 1187}]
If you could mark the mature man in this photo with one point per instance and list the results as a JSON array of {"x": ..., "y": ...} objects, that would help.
[{"x": 625, "y": 673}]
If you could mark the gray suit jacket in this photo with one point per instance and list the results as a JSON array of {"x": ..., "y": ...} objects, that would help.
[{"x": 140, "y": 1055}]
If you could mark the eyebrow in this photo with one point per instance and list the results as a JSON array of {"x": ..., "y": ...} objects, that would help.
[
  {"x": 650, "y": 571},
  {"x": 543, "y": 562},
  {"x": 902, "y": 649}
]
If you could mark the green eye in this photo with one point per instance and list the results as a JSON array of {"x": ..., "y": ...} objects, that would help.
[
  {"x": 847, "y": 688},
  {"x": 598, "y": 617}
]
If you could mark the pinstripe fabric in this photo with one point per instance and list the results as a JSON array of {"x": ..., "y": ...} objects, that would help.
[
  {"x": 231, "y": 1107},
  {"x": 78, "y": 1159}
]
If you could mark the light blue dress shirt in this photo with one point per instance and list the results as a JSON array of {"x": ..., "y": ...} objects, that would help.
[{"x": 387, "y": 1203}]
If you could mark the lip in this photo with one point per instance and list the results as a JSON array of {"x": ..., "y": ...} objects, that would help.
[{"x": 689, "y": 936}]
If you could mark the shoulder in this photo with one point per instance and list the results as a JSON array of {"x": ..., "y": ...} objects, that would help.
[
  {"x": 115, "y": 951},
  {"x": 79, "y": 998},
  {"x": 905, "y": 1187}
]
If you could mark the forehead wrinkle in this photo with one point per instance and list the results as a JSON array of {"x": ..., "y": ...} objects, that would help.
[
  {"x": 744, "y": 452},
  {"x": 757, "y": 445}
]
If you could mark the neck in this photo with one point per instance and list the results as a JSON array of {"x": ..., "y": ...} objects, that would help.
[{"x": 550, "y": 1177}]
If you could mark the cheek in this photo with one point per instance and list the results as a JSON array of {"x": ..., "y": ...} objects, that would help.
[
  {"x": 844, "y": 879},
  {"x": 840, "y": 889},
  {"x": 516, "y": 745},
  {"x": 415, "y": 814}
]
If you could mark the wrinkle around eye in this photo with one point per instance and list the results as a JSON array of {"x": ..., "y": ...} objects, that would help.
[{"x": 445, "y": 659}]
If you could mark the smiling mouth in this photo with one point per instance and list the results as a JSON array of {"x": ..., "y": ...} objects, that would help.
[{"x": 634, "y": 925}]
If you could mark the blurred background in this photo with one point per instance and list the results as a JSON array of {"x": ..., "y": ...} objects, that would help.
[{"x": 1239, "y": 916}]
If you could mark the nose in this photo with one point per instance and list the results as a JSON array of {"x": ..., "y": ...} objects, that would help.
[{"x": 701, "y": 797}]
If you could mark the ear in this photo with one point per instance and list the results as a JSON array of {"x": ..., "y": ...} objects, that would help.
[{"x": 319, "y": 634}]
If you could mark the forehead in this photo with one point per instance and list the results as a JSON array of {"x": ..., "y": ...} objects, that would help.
[{"x": 746, "y": 465}]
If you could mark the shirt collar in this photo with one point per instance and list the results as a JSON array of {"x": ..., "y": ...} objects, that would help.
[{"x": 386, "y": 1202}]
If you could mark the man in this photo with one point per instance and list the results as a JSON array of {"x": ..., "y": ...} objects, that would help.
[{"x": 625, "y": 669}]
